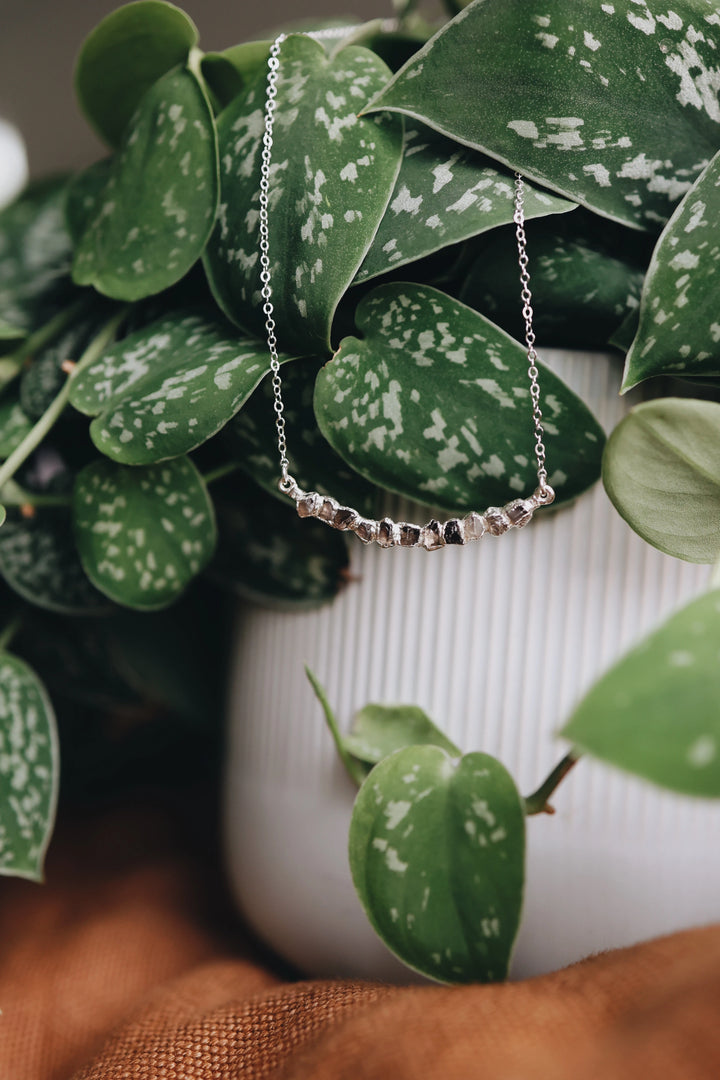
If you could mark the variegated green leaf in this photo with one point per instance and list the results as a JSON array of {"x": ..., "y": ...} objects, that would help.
[
  {"x": 40, "y": 562},
  {"x": 661, "y": 469},
  {"x": 83, "y": 196},
  {"x": 158, "y": 206},
  {"x": 331, "y": 177},
  {"x": 267, "y": 554},
  {"x": 655, "y": 713},
  {"x": 679, "y": 332},
  {"x": 613, "y": 104},
  {"x": 437, "y": 853},
  {"x": 143, "y": 533},
  {"x": 165, "y": 389},
  {"x": 433, "y": 401},
  {"x": 29, "y": 769},
  {"x": 252, "y": 441},
  {"x": 14, "y": 425},
  {"x": 582, "y": 287},
  {"x": 35, "y": 255},
  {"x": 128, "y": 51},
  {"x": 445, "y": 193}
]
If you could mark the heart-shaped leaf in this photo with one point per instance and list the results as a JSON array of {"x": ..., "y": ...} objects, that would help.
[
  {"x": 123, "y": 56},
  {"x": 433, "y": 402},
  {"x": 377, "y": 731},
  {"x": 330, "y": 181},
  {"x": 143, "y": 533},
  {"x": 83, "y": 197},
  {"x": 445, "y": 193},
  {"x": 268, "y": 554},
  {"x": 14, "y": 425},
  {"x": 29, "y": 769},
  {"x": 158, "y": 206},
  {"x": 167, "y": 388},
  {"x": 582, "y": 287},
  {"x": 437, "y": 857},
  {"x": 579, "y": 98},
  {"x": 252, "y": 440},
  {"x": 679, "y": 332},
  {"x": 661, "y": 469},
  {"x": 35, "y": 255},
  {"x": 655, "y": 713},
  {"x": 380, "y": 730},
  {"x": 39, "y": 561},
  {"x": 227, "y": 73}
]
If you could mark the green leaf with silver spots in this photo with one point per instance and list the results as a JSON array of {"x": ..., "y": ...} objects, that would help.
[
  {"x": 83, "y": 197},
  {"x": 679, "y": 331},
  {"x": 124, "y": 56},
  {"x": 433, "y": 402},
  {"x": 14, "y": 425},
  {"x": 267, "y": 554},
  {"x": 582, "y": 286},
  {"x": 437, "y": 851},
  {"x": 40, "y": 562},
  {"x": 35, "y": 257},
  {"x": 158, "y": 206},
  {"x": 29, "y": 769},
  {"x": 143, "y": 533},
  {"x": 661, "y": 470},
  {"x": 251, "y": 439},
  {"x": 655, "y": 713},
  {"x": 331, "y": 176},
  {"x": 614, "y": 105},
  {"x": 167, "y": 388},
  {"x": 445, "y": 193}
]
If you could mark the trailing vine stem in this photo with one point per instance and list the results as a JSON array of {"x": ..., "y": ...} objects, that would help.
[
  {"x": 52, "y": 414},
  {"x": 9, "y": 631},
  {"x": 14, "y": 495},
  {"x": 12, "y": 364},
  {"x": 537, "y": 803},
  {"x": 221, "y": 472}
]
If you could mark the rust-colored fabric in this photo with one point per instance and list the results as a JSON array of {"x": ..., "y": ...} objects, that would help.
[{"x": 126, "y": 966}]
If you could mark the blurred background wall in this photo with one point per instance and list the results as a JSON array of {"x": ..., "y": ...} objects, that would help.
[{"x": 40, "y": 38}]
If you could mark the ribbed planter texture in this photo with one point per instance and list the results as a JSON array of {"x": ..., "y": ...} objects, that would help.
[{"x": 496, "y": 641}]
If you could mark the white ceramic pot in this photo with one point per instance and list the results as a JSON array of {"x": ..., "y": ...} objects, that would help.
[{"x": 496, "y": 641}]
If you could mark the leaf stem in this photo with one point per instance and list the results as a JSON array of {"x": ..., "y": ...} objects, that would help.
[
  {"x": 537, "y": 803},
  {"x": 221, "y": 472},
  {"x": 9, "y": 631},
  {"x": 353, "y": 767},
  {"x": 14, "y": 495},
  {"x": 52, "y": 414},
  {"x": 12, "y": 364}
]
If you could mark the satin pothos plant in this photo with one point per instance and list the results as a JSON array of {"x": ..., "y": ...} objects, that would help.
[{"x": 136, "y": 427}]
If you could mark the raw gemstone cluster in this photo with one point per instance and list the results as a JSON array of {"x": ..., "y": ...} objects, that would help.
[{"x": 436, "y": 534}]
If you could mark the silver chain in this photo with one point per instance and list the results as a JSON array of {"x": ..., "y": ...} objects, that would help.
[
  {"x": 266, "y": 291},
  {"x": 287, "y": 482},
  {"x": 527, "y": 312}
]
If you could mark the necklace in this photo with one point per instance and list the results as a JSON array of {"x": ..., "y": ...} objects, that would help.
[{"x": 310, "y": 504}]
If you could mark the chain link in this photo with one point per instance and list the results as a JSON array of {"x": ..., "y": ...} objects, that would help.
[
  {"x": 287, "y": 482},
  {"x": 527, "y": 313}
]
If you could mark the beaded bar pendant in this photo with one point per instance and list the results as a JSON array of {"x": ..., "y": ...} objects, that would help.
[{"x": 431, "y": 537}]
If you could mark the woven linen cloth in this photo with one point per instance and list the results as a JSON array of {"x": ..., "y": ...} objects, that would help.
[{"x": 128, "y": 965}]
